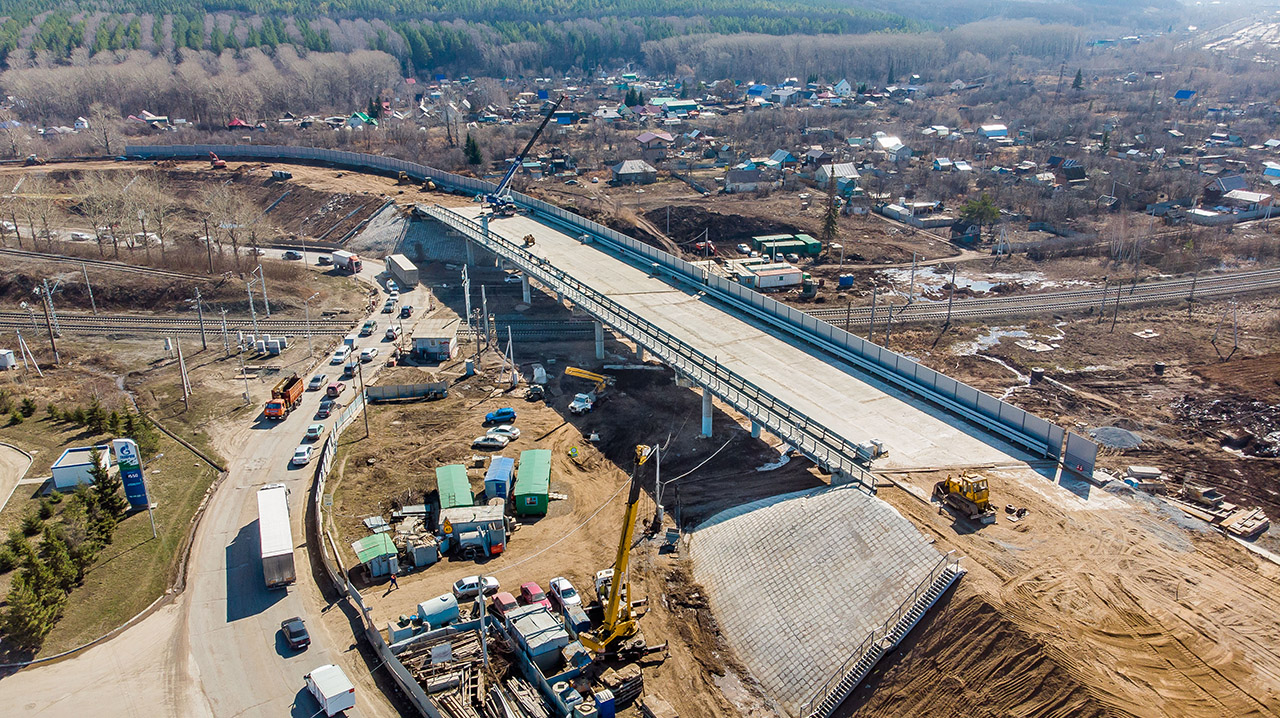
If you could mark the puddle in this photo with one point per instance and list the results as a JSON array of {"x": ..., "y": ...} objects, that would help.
[
  {"x": 930, "y": 281},
  {"x": 990, "y": 339}
]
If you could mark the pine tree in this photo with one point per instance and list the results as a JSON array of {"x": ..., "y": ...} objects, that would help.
[
  {"x": 29, "y": 617},
  {"x": 27, "y": 407},
  {"x": 472, "y": 151},
  {"x": 113, "y": 423},
  {"x": 1078, "y": 83},
  {"x": 106, "y": 487},
  {"x": 58, "y": 558}
]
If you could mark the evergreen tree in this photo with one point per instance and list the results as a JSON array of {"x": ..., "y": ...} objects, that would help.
[
  {"x": 57, "y": 557},
  {"x": 27, "y": 407},
  {"x": 30, "y": 616},
  {"x": 890, "y": 80},
  {"x": 1078, "y": 83},
  {"x": 1106, "y": 140},
  {"x": 982, "y": 211},
  {"x": 106, "y": 487},
  {"x": 113, "y": 423},
  {"x": 472, "y": 151}
]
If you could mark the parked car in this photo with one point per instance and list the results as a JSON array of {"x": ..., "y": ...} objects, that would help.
[
  {"x": 340, "y": 355},
  {"x": 406, "y": 311},
  {"x": 317, "y": 382},
  {"x": 368, "y": 354},
  {"x": 335, "y": 389},
  {"x": 563, "y": 593},
  {"x": 292, "y": 255},
  {"x": 792, "y": 257},
  {"x": 500, "y": 416},
  {"x": 531, "y": 595},
  {"x": 295, "y": 633},
  {"x": 512, "y": 433},
  {"x": 513, "y": 278},
  {"x": 469, "y": 587},
  {"x": 502, "y": 603},
  {"x": 301, "y": 456},
  {"x": 743, "y": 248},
  {"x": 314, "y": 432},
  {"x": 324, "y": 260},
  {"x": 326, "y": 408},
  {"x": 490, "y": 441}
]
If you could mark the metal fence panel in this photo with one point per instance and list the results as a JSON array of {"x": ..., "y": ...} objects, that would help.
[{"x": 1081, "y": 454}]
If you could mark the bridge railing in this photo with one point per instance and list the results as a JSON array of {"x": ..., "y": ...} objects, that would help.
[
  {"x": 1017, "y": 425},
  {"x": 811, "y": 437}
]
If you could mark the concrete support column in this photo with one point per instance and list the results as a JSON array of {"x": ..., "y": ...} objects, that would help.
[
  {"x": 471, "y": 254},
  {"x": 599, "y": 340},
  {"x": 641, "y": 354},
  {"x": 755, "y": 429},
  {"x": 560, "y": 298},
  {"x": 524, "y": 290},
  {"x": 706, "y": 412}
]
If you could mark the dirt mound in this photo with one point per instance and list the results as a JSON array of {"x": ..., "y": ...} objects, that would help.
[
  {"x": 967, "y": 659},
  {"x": 689, "y": 222},
  {"x": 1258, "y": 376}
]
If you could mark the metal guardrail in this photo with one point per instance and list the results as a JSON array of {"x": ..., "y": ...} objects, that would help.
[
  {"x": 823, "y": 445},
  {"x": 877, "y": 637}
]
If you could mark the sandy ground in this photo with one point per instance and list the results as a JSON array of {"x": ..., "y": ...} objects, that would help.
[{"x": 1105, "y": 599}]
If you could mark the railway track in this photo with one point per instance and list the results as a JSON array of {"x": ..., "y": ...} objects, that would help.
[
  {"x": 118, "y": 324},
  {"x": 1066, "y": 301},
  {"x": 107, "y": 264}
]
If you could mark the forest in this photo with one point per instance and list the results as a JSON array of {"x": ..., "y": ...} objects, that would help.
[{"x": 493, "y": 37}]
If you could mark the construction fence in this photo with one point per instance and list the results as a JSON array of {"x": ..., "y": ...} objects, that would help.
[
  {"x": 319, "y": 537},
  {"x": 1021, "y": 427}
]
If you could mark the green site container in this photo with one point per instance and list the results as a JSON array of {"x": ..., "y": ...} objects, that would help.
[
  {"x": 533, "y": 481},
  {"x": 454, "y": 486}
]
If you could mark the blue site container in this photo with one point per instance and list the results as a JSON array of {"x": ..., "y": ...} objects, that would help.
[
  {"x": 497, "y": 480},
  {"x": 845, "y": 281},
  {"x": 604, "y": 703}
]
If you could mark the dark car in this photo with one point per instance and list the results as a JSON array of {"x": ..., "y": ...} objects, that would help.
[
  {"x": 292, "y": 255},
  {"x": 324, "y": 259},
  {"x": 326, "y": 408},
  {"x": 295, "y": 633}
]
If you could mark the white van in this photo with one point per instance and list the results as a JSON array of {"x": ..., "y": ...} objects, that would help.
[{"x": 340, "y": 355}]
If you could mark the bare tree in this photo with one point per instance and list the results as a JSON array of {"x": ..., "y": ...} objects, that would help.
[{"x": 104, "y": 124}]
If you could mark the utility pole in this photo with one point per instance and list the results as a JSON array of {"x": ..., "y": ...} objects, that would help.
[
  {"x": 887, "y": 326},
  {"x": 848, "y": 315},
  {"x": 226, "y": 343},
  {"x": 1191, "y": 300},
  {"x": 244, "y": 375},
  {"x": 182, "y": 369},
  {"x": 952, "y": 296},
  {"x": 912, "y": 297},
  {"x": 204, "y": 343},
  {"x": 364, "y": 409},
  {"x": 872, "y": 328},
  {"x": 1116, "y": 312},
  {"x": 1102, "y": 310},
  {"x": 252, "y": 313},
  {"x": 85, "y": 270},
  {"x": 49, "y": 325},
  {"x": 263, "y": 278}
]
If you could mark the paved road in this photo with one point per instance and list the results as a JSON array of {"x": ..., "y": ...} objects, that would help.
[
  {"x": 215, "y": 650},
  {"x": 13, "y": 466},
  {"x": 831, "y": 392}
]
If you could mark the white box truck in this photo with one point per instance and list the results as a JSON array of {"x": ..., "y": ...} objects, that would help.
[
  {"x": 275, "y": 536},
  {"x": 332, "y": 689}
]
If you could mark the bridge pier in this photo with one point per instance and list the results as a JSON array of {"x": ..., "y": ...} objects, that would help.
[
  {"x": 599, "y": 340},
  {"x": 755, "y": 429},
  {"x": 641, "y": 355},
  {"x": 526, "y": 295},
  {"x": 471, "y": 251},
  {"x": 706, "y": 412}
]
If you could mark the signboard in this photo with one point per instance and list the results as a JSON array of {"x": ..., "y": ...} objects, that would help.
[{"x": 130, "y": 462}]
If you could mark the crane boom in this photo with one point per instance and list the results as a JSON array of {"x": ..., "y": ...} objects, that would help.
[
  {"x": 619, "y": 622},
  {"x": 498, "y": 196}
]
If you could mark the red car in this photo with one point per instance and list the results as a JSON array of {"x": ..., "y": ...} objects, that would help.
[
  {"x": 531, "y": 595},
  {"x": 502, "y": 603}
]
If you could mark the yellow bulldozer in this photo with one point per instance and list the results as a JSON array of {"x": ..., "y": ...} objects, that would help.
[{"x": 967, "y": 494}]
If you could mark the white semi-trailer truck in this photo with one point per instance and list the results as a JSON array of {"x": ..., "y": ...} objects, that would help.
[{"x": 275, "y": 536}]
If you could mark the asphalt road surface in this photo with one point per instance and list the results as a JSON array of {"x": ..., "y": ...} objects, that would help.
[{"x": 216, "y": 649}]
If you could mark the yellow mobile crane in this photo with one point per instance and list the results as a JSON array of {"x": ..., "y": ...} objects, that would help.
[
  {"x": 612, "y": 584},
  {"x": 583, "y": 403}
]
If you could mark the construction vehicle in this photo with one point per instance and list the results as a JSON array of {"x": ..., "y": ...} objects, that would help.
[
  {"x": 285, "y": 396},
  {"x": 216, "y": 162},
  {"x": 967, "y": 494},
  {"x": 612, "y": 584},
  {"x": 32, "y": 160},
  {"x": 404, "y": 178},
  {"x": 583, "y": 403},
  {"x": 500, "y": 200}
]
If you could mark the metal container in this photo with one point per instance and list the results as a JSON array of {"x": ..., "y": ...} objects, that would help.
[
  {"x": 1037, "y": 375},
  {"x": 1158, "y": 368}
]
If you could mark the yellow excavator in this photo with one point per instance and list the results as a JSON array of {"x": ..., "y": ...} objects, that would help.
[
  {"x": 612, "y": 584},
  {"x": 967, "y": 494}
]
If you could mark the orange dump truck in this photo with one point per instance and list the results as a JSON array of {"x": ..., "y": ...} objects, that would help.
[{"x": 284, "y": 397}]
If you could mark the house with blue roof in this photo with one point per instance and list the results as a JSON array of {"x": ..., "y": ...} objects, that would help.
[{"x": 784, "y": 158}]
